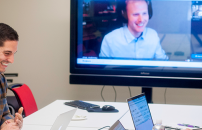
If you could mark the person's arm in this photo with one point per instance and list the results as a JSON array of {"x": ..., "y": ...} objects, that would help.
[
  {"x": 6, "y": 113},
  {"x": 160, "y": 53},
  {"x": 9, "y": 125},
  {"x": 14, "y": 123},
  {"x": 18, "y": 118},
  {"x": 105, "y": 50}
]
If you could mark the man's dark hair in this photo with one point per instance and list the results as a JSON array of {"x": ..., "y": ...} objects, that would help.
[{"x": 7, "y": 34}]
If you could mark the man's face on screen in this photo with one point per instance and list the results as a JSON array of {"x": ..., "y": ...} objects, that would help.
[{"x": 138, "y": 17}]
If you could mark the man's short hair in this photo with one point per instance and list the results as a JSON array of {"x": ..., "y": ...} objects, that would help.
[
  {"x": 126, "y": 1},
  {"x": 123, "y": 3},
  {"x": 7, "y": 33}
]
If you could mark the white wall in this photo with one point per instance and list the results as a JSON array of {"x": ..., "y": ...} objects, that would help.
[{"x": 42, "y": 60}]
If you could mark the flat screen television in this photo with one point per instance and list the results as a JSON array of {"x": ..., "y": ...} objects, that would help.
[{"x": 154, "y": 43}]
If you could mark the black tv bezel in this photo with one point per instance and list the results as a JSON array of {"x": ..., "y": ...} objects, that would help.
[{"x": 166, "y": 76}]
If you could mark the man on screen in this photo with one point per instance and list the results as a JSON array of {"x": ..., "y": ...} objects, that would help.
[{"x": 134, "y": 40}]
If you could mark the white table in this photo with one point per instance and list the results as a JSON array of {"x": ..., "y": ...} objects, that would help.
[
  {"x": 41, "y": 127},
  {"x": 170, "y": 114}
]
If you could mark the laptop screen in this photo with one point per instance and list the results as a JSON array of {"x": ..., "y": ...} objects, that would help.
[{"x": 140, "y": 112}]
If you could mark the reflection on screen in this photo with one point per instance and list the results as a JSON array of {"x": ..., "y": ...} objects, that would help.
[{"x": 141, "y": 114}]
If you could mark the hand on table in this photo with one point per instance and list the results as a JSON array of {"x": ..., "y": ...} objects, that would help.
[
  {"x": 18, "y": 118},
  {"x": 15, "y": 124},
  {"x": 9, "y": 125}
]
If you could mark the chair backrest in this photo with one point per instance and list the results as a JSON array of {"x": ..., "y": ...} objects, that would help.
[{"x": 25, "y": 98}]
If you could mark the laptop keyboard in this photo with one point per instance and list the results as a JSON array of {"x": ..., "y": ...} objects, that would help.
[{"x": 81, "y": 104}]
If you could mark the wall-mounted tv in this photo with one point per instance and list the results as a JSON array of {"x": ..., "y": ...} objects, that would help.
[{"x": 145, "y": 43}]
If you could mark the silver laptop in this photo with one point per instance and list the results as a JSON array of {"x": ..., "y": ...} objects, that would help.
[
  {"x": 118, "y": 125},
  {"x": 63, "y": 120}
]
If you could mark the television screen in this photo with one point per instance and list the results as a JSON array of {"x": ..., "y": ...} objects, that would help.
[
  {"x": 136, "y": 37},
  {"x": 147, "y": 43},
  {"x": 149, "y": 36}
]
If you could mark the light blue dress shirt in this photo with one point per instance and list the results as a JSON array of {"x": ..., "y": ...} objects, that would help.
[{"x": 120, "y": 43}]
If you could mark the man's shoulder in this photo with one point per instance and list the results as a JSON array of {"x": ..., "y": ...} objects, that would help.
[
  {"x": 115, "y": 32},
  {"x": 151, "y": 31},
  {"x": 151, "y": 35}
]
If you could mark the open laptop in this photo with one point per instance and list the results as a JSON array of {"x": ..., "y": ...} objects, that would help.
[
  {"x": 63, "y": 120},
  {"x": 140, "y": 112},
  {"x": 118, "y": 125}
]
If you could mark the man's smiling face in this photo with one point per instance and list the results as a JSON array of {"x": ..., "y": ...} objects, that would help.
[
  {"x": 138, "y": 17},
  {"x": 7, "y": 54}
]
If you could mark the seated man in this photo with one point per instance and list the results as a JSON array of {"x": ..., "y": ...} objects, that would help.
[
  {"x": 8, "y": 47},
  {"x": 134, "y": 40}
]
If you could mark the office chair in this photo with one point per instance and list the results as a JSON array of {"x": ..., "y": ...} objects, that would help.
[{"x": 24, "y": 97}]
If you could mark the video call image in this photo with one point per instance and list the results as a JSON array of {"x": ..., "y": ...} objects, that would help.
[{"x": 140, "y": 30}]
